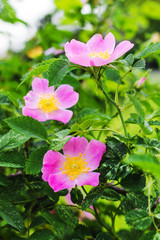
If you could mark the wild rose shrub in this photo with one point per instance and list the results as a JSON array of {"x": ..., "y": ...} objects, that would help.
[{"x": 80, "y": 143}]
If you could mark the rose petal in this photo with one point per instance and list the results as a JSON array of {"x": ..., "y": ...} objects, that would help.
[
  {"x": 66, "y": 96},
  {"x": 75, "y": 48},
  {"x": 94, "y": 153},
  {"x": 95, "y": 43},
  {"x": 60, "y": 115},
  {"x": 41, "y": 86},
  {"x": 52, "y": 162},
  {"x": 75, "y": 146},
  {"x": 109, "y": 43},
  {"x": 60, "y": 181},
  {"x": 90, "y": 178},
  {"x": 96, "y": 61},
  {"x": 120, "y": 49},
  {"x": 35, "y": 113},
  {"x": 77, "y": 52},
  {"x": 32, "y": 100}
]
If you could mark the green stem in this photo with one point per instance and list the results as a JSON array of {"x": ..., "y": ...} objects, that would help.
[
  {"x": 84, "y": 190},
  {"x": 97, "y": 129},
  {"x": 106, "y": 226},
  {"x": 118, "y": 109},
  {"x": 149, "y": 180},
  {"x": 97, "y": 76}
]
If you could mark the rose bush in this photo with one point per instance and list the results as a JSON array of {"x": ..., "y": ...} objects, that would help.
[{"x": 80, "y": 136}]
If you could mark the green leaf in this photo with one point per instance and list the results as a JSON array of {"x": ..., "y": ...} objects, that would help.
[
  {"x": 113, "y": 75},
  {"x": 139, "y": 219},
  {"x": 34, "y": 162},
  {"x": 9, "y": 96},
  {"x": 12, "y": 140},
  {"x": 140, "y": 64},
  {"x": 81, "y": 231},
  {"x": 87, "y": 111},
  {"x": 155, "y": 144},
  {"x": 62, "y": 133},
  {"x": 151, "y": 48},
  {"x": 110, "y": 194},
  {"x": 43, "y": 234},
  {"x": 86, "y": 124},
  {"x": 130, "y": 234},
  {"x": 133, "y": 182},
  {"x": 92, "y": 197},
  {"x": 157, "y": 210},
  {"x": 157, "y": 215},
  {"x": 76, "y": 196},
  {"x": 50, "y": 193},
  {"x": 116, "y": 149},
  {"x": 57, "y": 70},
  {"x": 103, "y": 236},
  {"x": 3, "y": 180},
  {"x": 58, "y": 225},
  {"x": 37, "y": 222},
  {"x": 66, "y": 215},
  {"x": 39, "y": 69},
  {"x": 137, "y": 106},
  {"x": 71, "y": 81},
  {"x": 96, "y": 116},
  {"x": 151, "y": 235},
  {"x": 27, "y": 126},
  {"x": 8, "y": 14},
  {"x": 157, "y": 123},
  {"x": 58, "y": 143},
  {"x": 146, "y": 162},
  {"x": 146, "y": 127},
  {"x": 124, "y": 170},
  {"x": 134, "y": 200},
  {"x": 128, "y": 61},
  {"x": 10, "y": 214},
  {"x": 156, "y": 113},
  {"x": 12, "y": 159}
]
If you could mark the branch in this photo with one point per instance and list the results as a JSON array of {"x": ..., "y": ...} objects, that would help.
[{"x": 117, "y": 189}]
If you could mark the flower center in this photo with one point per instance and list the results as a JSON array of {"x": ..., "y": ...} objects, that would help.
[
  {"x": 48, "y": 103},
  {"x": 74, "y": 166},
  {"x": 100, "y": 54}
]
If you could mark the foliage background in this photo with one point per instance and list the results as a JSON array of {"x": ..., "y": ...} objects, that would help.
[{"x": 24, "y": 198}]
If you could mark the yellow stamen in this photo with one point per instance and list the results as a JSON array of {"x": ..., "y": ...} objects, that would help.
[
  {"x": 48, "y": 103},
  {"x": 74, "y": 166},
  {"x": 100, "y": 54}
]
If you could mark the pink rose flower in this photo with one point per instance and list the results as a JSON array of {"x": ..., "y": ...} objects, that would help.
[
  {"x": 141, "y": 81},
  {"x": 96, "y": 52},
  {"x": 54, "y": 51},
  {"x": 43, "y": 103},
  {"x": 75, "y": 166}
]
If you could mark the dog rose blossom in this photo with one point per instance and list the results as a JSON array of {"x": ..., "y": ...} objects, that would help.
[
  {"x": 43, "y": 103},
  {"x": 75, "y": 166},
  {"x": 96, "y": 52}
]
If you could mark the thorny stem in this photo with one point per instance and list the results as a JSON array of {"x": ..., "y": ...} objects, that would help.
[
  {"x": 97, "y": 76},
  {"x": 97, "y": 129},
  {"x": 106, "y": 226},
  {"x": 149, "y": 180},
  {"x": 118, "y": 109}
]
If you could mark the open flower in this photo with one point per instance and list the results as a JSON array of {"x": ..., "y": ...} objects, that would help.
[
  {"x": 43, "y": 103},
  {"x": 96, "y": 52},
  {"x": 76, "y": 166}
]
